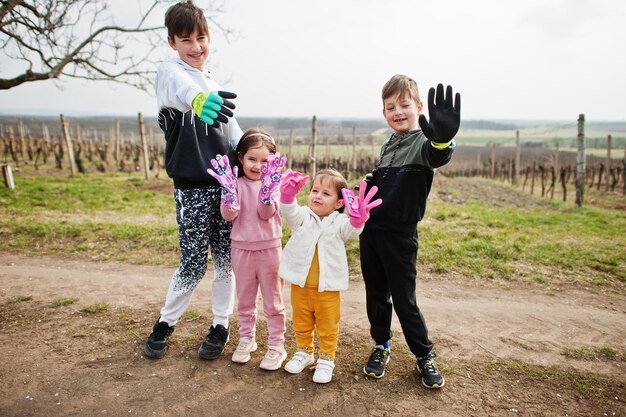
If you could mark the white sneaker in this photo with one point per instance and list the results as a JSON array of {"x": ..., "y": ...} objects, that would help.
[
  {"x": 299, "y": 361},
  {"x": 274, "y": 358},
  {"x": 245, "y": 346},
  {"x": 323, "y": 371}
]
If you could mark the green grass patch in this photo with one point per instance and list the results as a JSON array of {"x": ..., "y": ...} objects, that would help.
[
  {"x": 608, "y": 353},
  {"x": 99, "y": 217},
  {"x": 481, "y": 241},
  {"x": 586, "y": 384},
  {"x": 94, "y": 308},
  {"x": 63, "y": 301},
  {"x": 587, "y": 354},
  {"x": 119, "y": 217},
  {"x": 191, "y": 315},
  {"x": 582, "y": 354},
  {"x": 84, "y": 194},
  {"x": 21, "y": 298}
]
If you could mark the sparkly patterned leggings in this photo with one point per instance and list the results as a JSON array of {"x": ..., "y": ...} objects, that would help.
[{"x": 200, "y": 227}]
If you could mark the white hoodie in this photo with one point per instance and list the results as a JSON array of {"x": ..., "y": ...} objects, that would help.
[{"x": 178, "y": 83}]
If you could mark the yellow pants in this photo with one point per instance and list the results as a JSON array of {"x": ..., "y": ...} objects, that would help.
[{"x": 314, "y": 310}]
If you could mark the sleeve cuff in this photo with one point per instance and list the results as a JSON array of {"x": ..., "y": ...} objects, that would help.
[
  {"x": 445, "y": 145},
  {"x": 198, "y": 102}
]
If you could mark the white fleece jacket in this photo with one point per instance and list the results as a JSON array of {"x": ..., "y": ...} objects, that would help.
[{"x": 329, "y": 234}]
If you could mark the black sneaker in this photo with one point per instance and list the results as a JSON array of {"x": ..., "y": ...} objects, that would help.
[
  {"x": 375, "y": 366},
  {"x": 214, "y": 343},
  {"x": 431, "y": 377},
  {"x": 156, "y": 345}
]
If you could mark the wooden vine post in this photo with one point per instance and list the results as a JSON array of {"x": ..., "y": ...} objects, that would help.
[
  {"x": 556, "y": 167},
  {"x": 313, "y": 148},
  {"x": 20, "y": 131},
  {"x": 144, "y": 145},
  {"x": 354, "y": 150},
  {"x": 290, "y": 159},
  {"x": 608, "y": 163},
  {"x": 517, "y": 159},
  {"x": 492, "y": 165},
  {"x": 68, "y": 142},
  {"x": 116, "y": 145},
  {"x": 580, "y": 162}
]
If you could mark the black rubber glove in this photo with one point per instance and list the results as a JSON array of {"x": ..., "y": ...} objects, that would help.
[
  {"x": 225, "y": 109},
  {"x": 444, "y": 117}
]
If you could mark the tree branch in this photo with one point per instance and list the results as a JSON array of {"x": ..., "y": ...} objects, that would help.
[{"x": 54, "y": 39}]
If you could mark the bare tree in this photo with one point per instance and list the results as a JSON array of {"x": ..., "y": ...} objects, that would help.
[{"x": 52, "y": 39}]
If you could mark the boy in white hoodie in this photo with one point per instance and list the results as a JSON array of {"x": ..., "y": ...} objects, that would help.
[
  {"x": 193, "y": 114},
  {"x": 315, "y": 262}
]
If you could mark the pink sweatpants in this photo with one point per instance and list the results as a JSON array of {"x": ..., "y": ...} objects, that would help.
[{"x": 254, "y": 269}]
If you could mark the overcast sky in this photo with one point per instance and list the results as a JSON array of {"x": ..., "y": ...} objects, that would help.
[{"x": 532, "y": 59}]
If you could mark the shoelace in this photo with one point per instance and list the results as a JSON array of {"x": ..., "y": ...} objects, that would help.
[
  {"x": 272, "y": 354},
  {"x": 378, "y": 355},
  {"x": 429, "y": 366},
  {"x": 245, "y": 345}
]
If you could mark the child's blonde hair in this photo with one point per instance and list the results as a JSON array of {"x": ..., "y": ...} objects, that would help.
[
  {"x": 334, "y": 177},
  {"x": 402, "y": 85}
]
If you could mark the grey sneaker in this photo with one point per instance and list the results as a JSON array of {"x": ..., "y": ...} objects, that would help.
[
  {"x": 379, "y": 358},
  {"x": 214, "y": 343},
  {"x": 431, "y": 377}
]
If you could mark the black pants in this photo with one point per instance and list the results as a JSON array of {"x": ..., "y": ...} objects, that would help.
[{"x": 388, "y": 266}]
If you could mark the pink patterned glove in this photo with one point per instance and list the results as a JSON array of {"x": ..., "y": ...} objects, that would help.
[
  {"x": 270, "y": 177},
  {"x": 291, "y": 183},
  {"x": 226, "y": 177},
  {"x": 359, "y": 207}
]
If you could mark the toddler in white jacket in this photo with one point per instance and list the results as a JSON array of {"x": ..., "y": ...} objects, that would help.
[{"x": 315, "y": 262}]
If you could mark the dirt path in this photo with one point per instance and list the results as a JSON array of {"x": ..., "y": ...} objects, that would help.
[{"x": 495, "y": 346}]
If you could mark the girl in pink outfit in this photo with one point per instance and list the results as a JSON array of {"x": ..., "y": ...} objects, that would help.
[{"x": 250, "y": 201}]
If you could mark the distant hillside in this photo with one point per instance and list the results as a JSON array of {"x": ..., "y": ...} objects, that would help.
[
  {"x": 487, "y": 125},
  {"x": 474, "y": 131}
]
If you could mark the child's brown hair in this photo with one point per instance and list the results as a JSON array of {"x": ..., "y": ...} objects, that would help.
[
  {"x": 253, "y": 138},
  {"x": 183, "y": 17},
  {"x": 402, "y": 85}
]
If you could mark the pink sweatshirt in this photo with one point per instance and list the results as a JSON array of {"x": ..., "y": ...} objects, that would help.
[{"x": 256, "y": 226}]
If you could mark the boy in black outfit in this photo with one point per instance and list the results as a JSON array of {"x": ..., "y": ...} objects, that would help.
[{"x": 388, "y": 244}]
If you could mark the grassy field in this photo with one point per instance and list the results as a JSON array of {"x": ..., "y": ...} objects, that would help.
[{"x": 126, "y": 219}]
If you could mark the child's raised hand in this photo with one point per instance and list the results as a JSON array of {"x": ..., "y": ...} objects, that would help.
[
  {"x": 291, "y": 183},
  {"x": 445, "y": 117},
  {"x": 214, "y": 106},
  {"x": 359, "y": 207},
  {"x": 270, "y": 177},
  {"x": 227, "y": 178}
]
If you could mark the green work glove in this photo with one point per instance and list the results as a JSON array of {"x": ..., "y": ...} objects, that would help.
[{"x": 213, "y": 106}]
